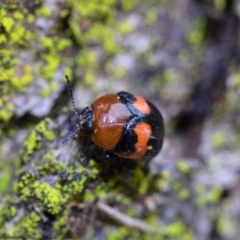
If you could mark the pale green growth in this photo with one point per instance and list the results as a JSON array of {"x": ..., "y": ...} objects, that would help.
[
  {"x": 47, "y": 42},
  {"x": 225, "y": 225},
  {"x": 184, "y": 194},
  {"x": 128, "y": 4},
  {"x": 183, "y": 167},
  {"x": 64, "y": 13},
  {"x": 29, "y": 225},
  {"x": 44, "y": 12},
  {"x": 7, "y": 23},
  {"x": 41, "y": 127},
  {"x": 18, "y": 34},
  {"x": 151, "y": 17},
  {"x": 170, "y": 76},
  {"x": 60, "y": 225},
  {"x": 218, "y": 140},
  {"x": 30, "y": 18},
  {"x": 18, "y": 15},
  {"x": 125, "y": 27},
  {"x": 19, "y": 83},
  {"x": 63, "y": 44},
  {"x": 220, "y": 4},
  {"x": 5, "y": 178},
  {"x": 176, "y": 185},
  {"x": 49, "y": 197},
  {"x": 3, "y": 39},
  {"x": 207, "y": 195},
  {"x": 177, "y": 230},
  {"x": 196, "y": 35}
]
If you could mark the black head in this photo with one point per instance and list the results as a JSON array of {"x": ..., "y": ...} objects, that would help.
[
  {"x": 85, "y": 117},
  {"x": 86, "y": 121}
]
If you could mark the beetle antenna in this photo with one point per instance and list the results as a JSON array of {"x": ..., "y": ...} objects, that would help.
[
  {"x": 71, "y": 95},
  {"x": 71, "y": 136}
]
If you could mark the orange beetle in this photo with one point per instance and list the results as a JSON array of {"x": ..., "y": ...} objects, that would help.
[{"x": 122, "y": 125}]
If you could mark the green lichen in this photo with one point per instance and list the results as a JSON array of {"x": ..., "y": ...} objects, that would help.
[
  {"x": 218, "y": 140},
  {"x": 47, "y": 183},
  {"x": 151, "y": 16},
  {"x": 184, "y": 194},
  {"x": 125, "y": 27},
  {"x": 7, "y": 213},
  {"x": 30, "y": 145},
  {"x": 177, "y": 230},
  {"x": 50, "y": 164},
  {"x": 60, "y": 225},
  {"x": 196, "y": 36},
  {"x": 44, "y": 12},
  {"x": 28, "y": 226},
  {"x": 128, "y": 5},
  {"x": 225, "y": 226},
  {"x": 53, "y": 47},
  {"x": 42, "y": 128},
  {"x": 19, "y": 83},
  {"x": 36, "y": 138},
  {"x": 220, "y": 4},
  {"x": 183, "y": 166},
  {"x": 27, "y": 182},
  {"x": 72, "y": 181},
  {"x": 13, "y": 36},
  {"x": 50, "y": 199},
  {"x": 208, "y": 195},
  {"x": 5, "y": 177}
]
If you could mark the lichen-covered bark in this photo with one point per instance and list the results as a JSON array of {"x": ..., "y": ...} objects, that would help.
[{"x": 174, "y": 53}]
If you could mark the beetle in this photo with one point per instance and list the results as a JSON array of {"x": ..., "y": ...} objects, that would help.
[{"x": 122, "y": 126}]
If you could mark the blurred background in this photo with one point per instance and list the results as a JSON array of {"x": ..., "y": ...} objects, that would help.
[{"x": 182, "y": 55}]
